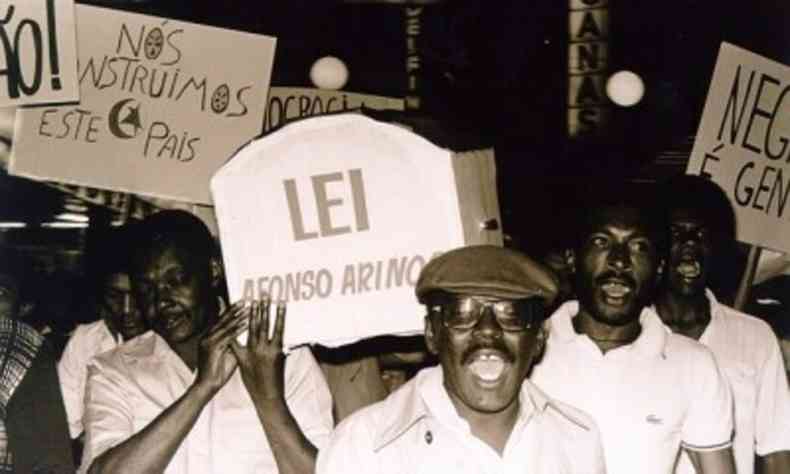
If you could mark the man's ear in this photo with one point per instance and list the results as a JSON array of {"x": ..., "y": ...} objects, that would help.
[
  {"x": 430, "y": 336},
  {"x": 25, "y": 310},
  {"x": 570, "y": 259},
  {"x": 540, "y": 344}
]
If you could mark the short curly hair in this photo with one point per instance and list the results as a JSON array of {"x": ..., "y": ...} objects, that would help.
[{"x": 177, "y": 228}]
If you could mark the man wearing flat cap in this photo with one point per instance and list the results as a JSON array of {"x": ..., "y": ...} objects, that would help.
[{"x": 475, "y": 412}]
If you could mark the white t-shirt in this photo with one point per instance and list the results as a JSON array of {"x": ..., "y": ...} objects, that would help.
[
  {"x": 87, "y": 341},
  {"x": 130, "y": 386},
  {"x": 417, "y": 430},
  {"x": 748, "y": 354},
  {"x": 649, "y": 398}
]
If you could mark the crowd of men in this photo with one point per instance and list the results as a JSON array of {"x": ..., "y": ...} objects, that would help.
[{"x": 629, "y": 365}]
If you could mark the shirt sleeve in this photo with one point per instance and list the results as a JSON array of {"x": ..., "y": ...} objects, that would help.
[
  {"x": 772, "y": 416},
  {"x": 72, "y": 371},
  {"x": 307, "y": 395},
  {"x": 108, "y": 413},
  {"x": 708, "y": 425},
  {"x": 38, "y": 434}
]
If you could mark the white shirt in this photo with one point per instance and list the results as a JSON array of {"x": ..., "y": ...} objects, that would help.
[
  {"x": 131, "y": 385},
  {"x": 87, "y": 341},
  {"x": 417, "y": 430},
  {"x": 748, "y": 354},
  {"x": 648, "y": 397}
]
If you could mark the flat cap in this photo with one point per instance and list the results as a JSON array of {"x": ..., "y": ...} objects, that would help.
[{"x": 487, "y": 270}]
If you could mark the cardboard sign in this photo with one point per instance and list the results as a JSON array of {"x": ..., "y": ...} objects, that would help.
[
  {"x": 743, "y": 143},
  {"x": 39, "y": 52},
  {"x": 291, "y": 103},
  {"x": 338, "y": 214},
  {"x": 163, "y": 106}
]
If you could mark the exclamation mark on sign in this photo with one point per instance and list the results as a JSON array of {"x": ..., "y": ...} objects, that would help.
[{"x": 53, "y": 45}]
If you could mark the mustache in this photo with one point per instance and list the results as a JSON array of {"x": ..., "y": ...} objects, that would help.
[
  {"x": 611, "y": 274},
  {"x": 167, "y": 308},
  {"x": 497, "y": 346}
]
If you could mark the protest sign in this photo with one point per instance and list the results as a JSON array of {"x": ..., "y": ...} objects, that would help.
[
  {"x": 39, "y": 52},
  {"x": 163, "y": 106},
  {"x": 338, "y": 214},
  {"x": 743, "y": 143},
  {"x": 290, "y": 103}
]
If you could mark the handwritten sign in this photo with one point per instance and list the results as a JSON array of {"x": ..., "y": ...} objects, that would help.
[
  {"x": 743, "y": 143},
  {"x": 39, "y": 52},
  {"x": 163, "y": 106},
  {"x": 291, "y": 103},
  {"x": 338, "y": 214}
]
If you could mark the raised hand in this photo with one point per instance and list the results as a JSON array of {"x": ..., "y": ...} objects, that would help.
[
  {"x": 216, "y": 361},
  {"x": 261, "y": 361}
]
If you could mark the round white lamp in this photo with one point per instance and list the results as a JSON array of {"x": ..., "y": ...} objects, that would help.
[
  {"x": 329, "y": 72},
  {"x": 625, "y": 88}
]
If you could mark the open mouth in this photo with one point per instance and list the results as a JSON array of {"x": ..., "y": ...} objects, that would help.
[
  {"x": 615, "y": 291},
  {"x": 689, "y": 269},
  {"x": 487, "y": 366}
]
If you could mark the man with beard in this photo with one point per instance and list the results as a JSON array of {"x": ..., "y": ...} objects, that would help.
[
  {"x": 650, "y": 391},
  {"x": 120, "y": 321},
  {"x": 187, "y": 397},
  {"x": 702, "y": 225},
  {"x": 475, "y": 412}
]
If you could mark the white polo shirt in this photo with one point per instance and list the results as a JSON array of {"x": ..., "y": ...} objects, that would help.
[
  {"x": 131, "y": 385},
  {"x": 418, "y": 430},
  {"x": 649, "y": 398},
  {"x": 748, "y": 354},
  {"x": 87, "y": 341}
]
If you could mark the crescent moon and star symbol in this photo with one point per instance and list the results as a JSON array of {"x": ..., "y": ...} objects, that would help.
[{"x": 128, "y": 126}]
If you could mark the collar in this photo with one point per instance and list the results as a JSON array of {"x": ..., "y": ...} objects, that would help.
[
  {"x": 716, "y": 317},
  {"x": 150, "y": 351},
  {"x": 425, "y": 397},
  {"x": 107, "y": 332},
  {"x": 650, "y": 343}
]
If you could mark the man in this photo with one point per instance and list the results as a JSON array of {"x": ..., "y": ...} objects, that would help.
[
  {"x": 120, "y": 321},
  {"x": 746, "y": 349},
  {"x": 187, "y": 397},
  {"x": 650, "y": 391},
  {"x": 475, "y": 412},
  {"x": 34, "y": 435}
]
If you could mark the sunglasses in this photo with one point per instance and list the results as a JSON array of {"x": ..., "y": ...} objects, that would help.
[{"x": 464, "y": 313}]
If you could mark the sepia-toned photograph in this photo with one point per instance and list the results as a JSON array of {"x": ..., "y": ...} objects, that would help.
[{"x": 393, "y": 237}]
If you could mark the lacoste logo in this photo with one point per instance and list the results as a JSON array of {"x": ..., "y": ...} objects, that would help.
[{"x": 654, "y": 420}]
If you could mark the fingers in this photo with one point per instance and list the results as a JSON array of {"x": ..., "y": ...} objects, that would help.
[
  {"x": 234, "y": 323},
  {"x": 258, "y": 321},
  {"x": 263, "y": 333},
  {"x": 279, "y": 324},
  {"x": 256, "y": 307},
  {"x": 233, "y": 309}
]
